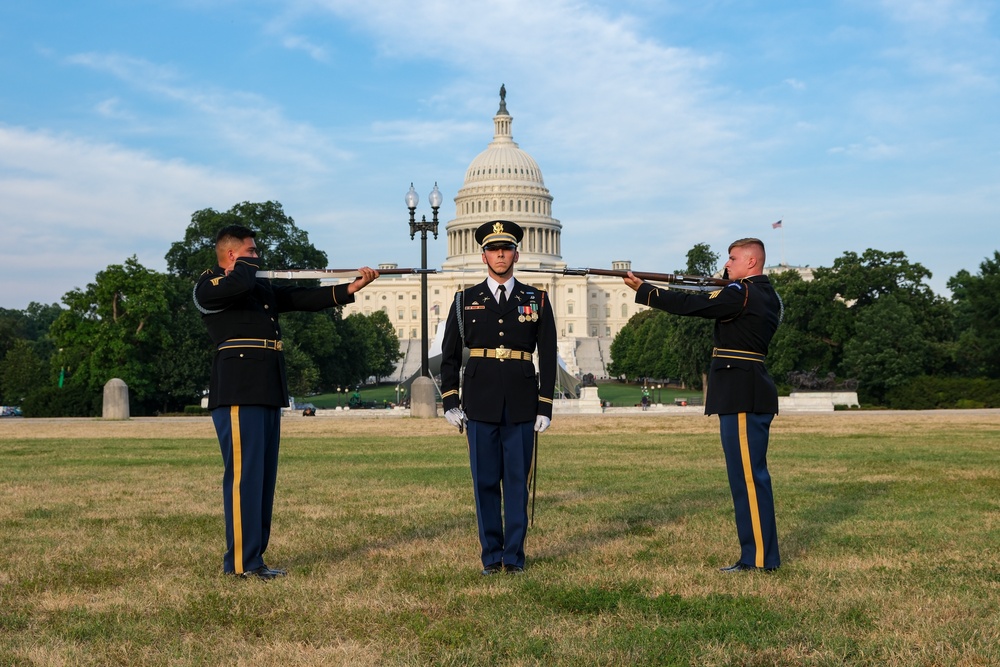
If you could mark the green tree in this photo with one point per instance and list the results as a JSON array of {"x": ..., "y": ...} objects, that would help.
[
  {"x": 888, "y": 348},
  {"x": 656, "y": 345},
  {"x": 303, "y": 376},
  {"x": 639, "y": 349},
  {"x": 182, "y": 369},
  {"x": 384, "y": 345},
  {"x": 620, "y": 365},
  {"x": 117, "y": 327},
  {"x": 977, "y": 318},
  {"x": 863, "y": 280},
  {"x": 691, "y": 337},
  {"x": 815, "y": 324},
  {"x": 823, "y": 315},
  {"x": 21, "y": 372},
  {"x": 282, "y": 244},
  {"x": 25, "y": 333}
]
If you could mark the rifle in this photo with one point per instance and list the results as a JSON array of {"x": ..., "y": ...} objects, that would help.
[
  {"x": 669, "y": 278},
  {"x": 314, "y": 274}
]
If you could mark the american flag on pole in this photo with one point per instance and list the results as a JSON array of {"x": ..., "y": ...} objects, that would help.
[{"x": 776, "y": 225}]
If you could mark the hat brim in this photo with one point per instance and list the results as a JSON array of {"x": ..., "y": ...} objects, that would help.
[{"x": 502, "y": 237}]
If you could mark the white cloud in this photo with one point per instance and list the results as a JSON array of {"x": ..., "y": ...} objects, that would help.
[
  {"x": 70, "y": 207},
  {"x": 300, "y": 43},
  {"x": 871, "y": 148},
  {"x": 935, "y": 15},
  {"x": 242, "y": 123}
]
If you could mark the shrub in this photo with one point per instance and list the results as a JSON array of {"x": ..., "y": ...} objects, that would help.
[
  {"x": 69, "y": 401},
  {"x": 930, "y": 393}
]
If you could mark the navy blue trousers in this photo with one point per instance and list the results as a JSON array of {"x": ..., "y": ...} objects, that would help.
[
  {"x": 248, "y": 438},
  {"x": 744, "y": 442},
  {"x": 500, "y": 457}
]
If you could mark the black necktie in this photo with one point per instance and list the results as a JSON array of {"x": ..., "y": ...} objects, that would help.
[{"x": 503, "y": 296}]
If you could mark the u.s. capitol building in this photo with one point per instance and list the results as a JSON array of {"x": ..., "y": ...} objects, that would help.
[{"x": 504, "y": 182}]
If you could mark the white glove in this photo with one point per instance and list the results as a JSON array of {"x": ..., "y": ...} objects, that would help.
[
  {"x": 456, "y": 417},
  {"x": 541, "y": 423}
]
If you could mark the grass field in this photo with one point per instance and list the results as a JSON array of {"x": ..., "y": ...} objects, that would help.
[{"x": 889, "y": 525}]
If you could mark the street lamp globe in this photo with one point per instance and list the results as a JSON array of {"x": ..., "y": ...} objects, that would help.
[
  {"x": 412, "y": 198},
  {"x": 435, "y": 198}
]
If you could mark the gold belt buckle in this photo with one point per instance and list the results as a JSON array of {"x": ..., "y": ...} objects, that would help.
[
  {"x": 278, "y": 345},
  {"x": 503, "y": 353}
]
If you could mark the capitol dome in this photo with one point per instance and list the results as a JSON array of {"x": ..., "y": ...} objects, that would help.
[{"x": 504, "y": 182}]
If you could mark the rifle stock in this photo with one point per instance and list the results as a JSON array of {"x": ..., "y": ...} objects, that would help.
[{"x": 669, "y": 278}]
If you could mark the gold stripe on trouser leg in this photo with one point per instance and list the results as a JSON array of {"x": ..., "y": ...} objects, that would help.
[
  {"x": 751, "y": 490},
  {"x": 234, "y": 426}
]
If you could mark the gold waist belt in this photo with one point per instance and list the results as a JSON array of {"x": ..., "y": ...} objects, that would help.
[
  {"x": 737, "y": 354},
  {"x": 264, "y": 343},
  {"x": 500, "y": 353}
]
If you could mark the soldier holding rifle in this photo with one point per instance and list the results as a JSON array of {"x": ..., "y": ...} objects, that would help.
[
  {"x": 503, "y": 403},
  {"x": 747, "y": 312},
  {"x": 248, "y": 386}
]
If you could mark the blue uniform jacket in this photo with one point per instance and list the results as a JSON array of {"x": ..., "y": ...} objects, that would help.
[
  {"x": 242, "y": 306},
  {"x": 746, "y": 314},
  {"x": 526, "y": 324}
]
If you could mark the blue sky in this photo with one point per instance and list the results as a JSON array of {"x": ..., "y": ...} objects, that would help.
[{"x": 657, "y": 125}]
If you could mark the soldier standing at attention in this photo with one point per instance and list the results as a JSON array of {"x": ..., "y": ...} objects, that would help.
[
  {"x": 740, "y": 390},
  {"x": 248, "y": 386},
  {"x": 503, "y": 401}
]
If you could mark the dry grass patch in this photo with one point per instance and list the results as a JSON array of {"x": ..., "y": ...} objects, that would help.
[{"x": 113, "y": 539}]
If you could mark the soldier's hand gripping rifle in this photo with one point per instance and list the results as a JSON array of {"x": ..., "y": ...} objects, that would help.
[
  {"x": 669, "y": 278},
  {"x": 320, "y": 274}
]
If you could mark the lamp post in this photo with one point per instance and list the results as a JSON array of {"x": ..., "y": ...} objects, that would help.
[
  {"x": 659, "y": 393},
  {"x": 412, "y": 199}
]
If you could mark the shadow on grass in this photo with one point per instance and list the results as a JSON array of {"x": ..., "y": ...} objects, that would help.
[
  {"x": 832, "y": 505},
  {"x": 637, "y": 518}
]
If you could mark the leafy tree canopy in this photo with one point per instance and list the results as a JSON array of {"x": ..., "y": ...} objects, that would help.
[{"x": 282, "y": 244}]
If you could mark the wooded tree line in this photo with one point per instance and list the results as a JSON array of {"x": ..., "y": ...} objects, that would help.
[
  {"x": 142, "y": 326},
  {"x": 869, "y": 317}
]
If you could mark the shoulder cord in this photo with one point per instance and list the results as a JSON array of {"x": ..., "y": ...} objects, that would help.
[
  {"x": 202, "y": 309},
  {"x": 459, "y": 316},
  {"x": 746, "y": 297}
]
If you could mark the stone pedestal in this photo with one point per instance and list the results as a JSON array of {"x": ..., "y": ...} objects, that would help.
[
  {"x": 589, "y": 403},
  {"x": 115, "y": 399},
  {"x": 817, "y": 401},
  {"x": 423, "y": 398}
]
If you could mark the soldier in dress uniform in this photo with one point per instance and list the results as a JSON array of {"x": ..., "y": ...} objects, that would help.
[
  {"x": 740, "y": 390},
  {"x": 248, "y": 386},
  {"x": 503, "y": 402}
]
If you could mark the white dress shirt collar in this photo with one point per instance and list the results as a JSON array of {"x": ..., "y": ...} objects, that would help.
[{"x": 493, "y": 285}]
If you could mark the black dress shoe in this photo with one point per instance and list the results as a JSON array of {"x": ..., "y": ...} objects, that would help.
[
  {"x": 263, "y": 573},
  {"x": 492, "y": 569},
  {"x": 277, "y": 572},
  {"x": 743, "y": 567},
  {"x": 513, "y": 569},
  {"x": 737, "y": 567}
]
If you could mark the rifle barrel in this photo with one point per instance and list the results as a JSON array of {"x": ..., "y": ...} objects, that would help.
[
  {"x": 313, "y": 274},
  {"x": 670, "y": 278}
]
